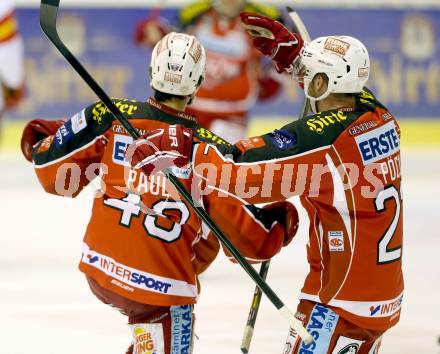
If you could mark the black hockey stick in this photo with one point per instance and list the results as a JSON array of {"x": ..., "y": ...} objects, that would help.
[
  {"x": 302, "y": 30},
  {"x": 256, "y": 299},
  {"x": 48, "y": 18},
  {"x": 253, "y": 311}
]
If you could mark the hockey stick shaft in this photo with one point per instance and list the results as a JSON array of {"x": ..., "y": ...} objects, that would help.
[
  {"x": 253, "y": 311},
  {"x": 302, "y": 30},
  {"x": 48, "y": 17}
]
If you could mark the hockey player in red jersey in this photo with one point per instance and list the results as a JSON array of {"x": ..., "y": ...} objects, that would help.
[
  {"x": 144, "y": 247},
  {"x": 344, "y": 163},
  {"x": 235, "y": 75},
  {"x": 11, "y": 59}
]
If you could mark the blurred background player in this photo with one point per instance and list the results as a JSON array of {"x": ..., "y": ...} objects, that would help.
[
  {"x": 354, "y": 203},
  {"x": 236, "y": 76},
  {"x": 11, "y": 59},
  {"x": 144, "y": 248}
]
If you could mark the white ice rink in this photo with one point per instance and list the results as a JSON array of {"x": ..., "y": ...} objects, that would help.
[{"x": 46, "y": 306}]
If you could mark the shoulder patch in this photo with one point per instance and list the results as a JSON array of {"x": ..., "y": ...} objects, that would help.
[
  {"x": 79, "y": 122},
  {"x": 250, "y": 144},
  {"x": 283, "y": 139}
]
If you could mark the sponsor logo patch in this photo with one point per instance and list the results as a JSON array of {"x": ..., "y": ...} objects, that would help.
[
  {"x": 362, "y": 128},
  {"x": 208, "y": 136},
  {"x": 174, "y": 78},
  {"x": 79, "y": 122},
  {"x": 346, "y": 345},
  {"x": 318, "y": 123},
  {"x": 321, "y": 326},
  {"x": 349, "y": 349},
  {"x": 336, "y": 241},
  {"x": 120, "y": 146},
  {"x": 336, "y": 45},
  {"x": 144, "y": 281},
  {"x": 363, "y": 72},
  {"x": 181, "y": 329},
  {"x": 387, "y": 308},
  {"x": 64, "y": 134},
  {"x": 251, "y": 143},
  {"x": 175, "y": 67},
  {"x": 124, "y": 105},
  {"x": 148, "y": 338},
  {"x": 195, "y": 51},
  {"x": 379, "y": 143},
  {"x": 283, "y": 139},
  {"x": 46, "y": 144},
  {"x": 386, "y": 116},
  {"x": 181, "y": 172}
]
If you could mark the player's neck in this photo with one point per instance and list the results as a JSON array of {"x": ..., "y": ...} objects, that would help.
[
  {"x": 176, "y": 104},
  {"x": 333, "y": 102}
]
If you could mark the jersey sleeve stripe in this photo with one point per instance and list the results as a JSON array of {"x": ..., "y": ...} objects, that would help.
[{"x": 65, "y": 157}]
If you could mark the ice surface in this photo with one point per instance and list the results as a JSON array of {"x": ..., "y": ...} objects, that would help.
[{"x": 46, "y": 307}]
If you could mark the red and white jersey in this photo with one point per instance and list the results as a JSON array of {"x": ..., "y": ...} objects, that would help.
[
  {"x": 231, "y": 67},
  {"x": 233, "y": 64},
  {"x": 11, "y": 57},
  {"x": 143, "y": 242},
  {"x": 345, "y": 166}
]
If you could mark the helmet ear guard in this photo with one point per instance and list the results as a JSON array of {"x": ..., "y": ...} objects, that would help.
[{"x": 343, "y": 59}]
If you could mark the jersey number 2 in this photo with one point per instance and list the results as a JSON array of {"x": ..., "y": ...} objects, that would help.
[{"x": 385, "y": 255}]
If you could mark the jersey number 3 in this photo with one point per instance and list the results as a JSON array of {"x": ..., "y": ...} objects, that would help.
[{"x": 385, "y": 255}]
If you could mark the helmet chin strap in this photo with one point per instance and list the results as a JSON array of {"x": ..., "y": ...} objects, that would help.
[
  {"x": 314, "y": 106},
  {"x": 314, "y": 100}
]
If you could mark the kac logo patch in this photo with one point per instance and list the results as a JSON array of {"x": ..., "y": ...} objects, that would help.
[
  {"x": 336, "y": 241},
  {"x": 283, "y": 139}
]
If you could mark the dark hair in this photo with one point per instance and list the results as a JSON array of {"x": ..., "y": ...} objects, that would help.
[{"x": 164, "y": 97}]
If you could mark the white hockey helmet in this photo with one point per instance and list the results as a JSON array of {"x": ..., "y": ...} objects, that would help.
[
  {"x": 343, "y": 59},
  {"x": 177, "y": 64}
]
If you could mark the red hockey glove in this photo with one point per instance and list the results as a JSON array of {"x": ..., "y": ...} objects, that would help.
[
  {"x": 286, "y": 215},
  {"x": 161, "y": 149},
  {"x": 274, "y": 40},
  {"x": 36, "y": 130},
  {"x": 149, "y": 31}
]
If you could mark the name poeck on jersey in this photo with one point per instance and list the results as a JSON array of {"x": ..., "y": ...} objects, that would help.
[{"x": 379, "y": 143}]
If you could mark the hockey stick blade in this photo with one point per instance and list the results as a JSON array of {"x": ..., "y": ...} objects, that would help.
[{"x": 48, "y": 17}]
